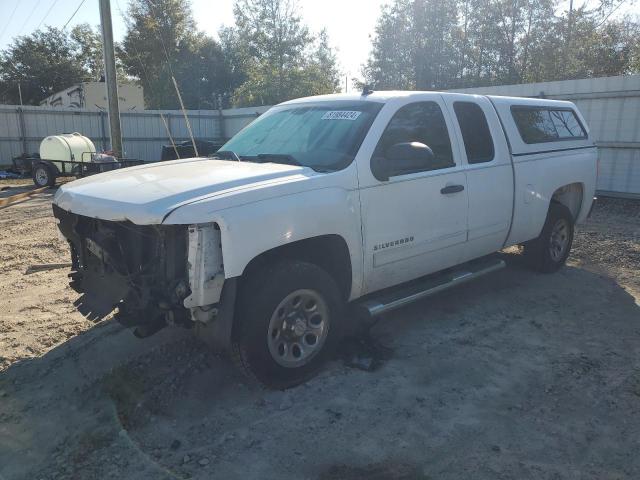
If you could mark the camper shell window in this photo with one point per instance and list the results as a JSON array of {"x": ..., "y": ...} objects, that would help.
[{"x": 547, "y": 124}]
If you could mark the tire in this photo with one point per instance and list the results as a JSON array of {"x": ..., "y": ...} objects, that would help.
[
  {"x": 288, "y": 323},
  {"x": 549, "y": 252},
  {"x": 43, "y": 175}
]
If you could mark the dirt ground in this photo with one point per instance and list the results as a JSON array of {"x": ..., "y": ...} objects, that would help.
[{"x": 519, "y": 375}]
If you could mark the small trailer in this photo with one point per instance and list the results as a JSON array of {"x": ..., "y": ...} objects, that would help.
[
  {"x": 67, "y": 155},
  {"x": 45, "y": 171}
]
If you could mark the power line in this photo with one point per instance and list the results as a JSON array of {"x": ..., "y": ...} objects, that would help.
[
  {"x": 53, "y": 4},
  {"x": 74, "y": 14},
  {"x": 30, "y": 15},
  {"x": 10, "y": 18}
]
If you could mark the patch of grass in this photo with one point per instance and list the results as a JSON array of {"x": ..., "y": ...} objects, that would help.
[{"x": 126, "y": 388}]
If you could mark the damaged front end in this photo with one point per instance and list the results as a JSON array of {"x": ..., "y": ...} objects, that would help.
[{"x": 154, "y": 275}]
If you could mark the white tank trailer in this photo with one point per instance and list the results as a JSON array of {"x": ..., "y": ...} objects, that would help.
[
  {"x": 68, "y": 155},
  {"x": 73, "y": 147}
]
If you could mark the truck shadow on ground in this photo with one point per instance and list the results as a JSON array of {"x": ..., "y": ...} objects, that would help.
[{"x": 531, "y": 376}]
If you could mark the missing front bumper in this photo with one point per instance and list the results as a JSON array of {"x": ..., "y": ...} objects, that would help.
[{"x": 140, "y": 271}]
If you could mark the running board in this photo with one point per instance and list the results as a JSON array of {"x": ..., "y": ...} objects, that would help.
[{"x": 396, "y": 298}]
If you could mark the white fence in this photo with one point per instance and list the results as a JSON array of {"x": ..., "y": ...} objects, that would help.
[
  {"x": 611, "y": 106},
  {"x": 23, "y": 128}
]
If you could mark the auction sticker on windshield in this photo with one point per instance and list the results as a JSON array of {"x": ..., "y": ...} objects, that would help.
[{"x": 341, "y": 115}]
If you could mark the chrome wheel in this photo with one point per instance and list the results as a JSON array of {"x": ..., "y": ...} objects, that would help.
[
  {"x": 298, "y": 328},
  {"x": 559, "y": 240},
  {"x": 42, "y": 176}
]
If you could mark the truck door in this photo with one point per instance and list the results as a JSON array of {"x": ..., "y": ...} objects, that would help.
[
  {"x": 487, "y": 163},
  {"x": 414, "y": 218}
]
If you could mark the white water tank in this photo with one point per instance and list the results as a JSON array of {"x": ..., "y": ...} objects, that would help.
[{"x": 68, "y": 146}]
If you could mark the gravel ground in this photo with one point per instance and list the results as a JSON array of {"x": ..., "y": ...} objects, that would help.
[{"x": 519, "y": 375}]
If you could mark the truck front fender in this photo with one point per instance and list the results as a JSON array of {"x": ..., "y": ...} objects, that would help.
[{"x": 248, "y": 230}]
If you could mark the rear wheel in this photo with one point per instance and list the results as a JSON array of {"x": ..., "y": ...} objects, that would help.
[
  {"x": 550, "y": 250},
  {"x": 288, "y": 323},
  {"x": 43, "y": 175}
]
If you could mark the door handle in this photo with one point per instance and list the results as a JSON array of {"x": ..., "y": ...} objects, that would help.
[{"x": 451, "y": 189}]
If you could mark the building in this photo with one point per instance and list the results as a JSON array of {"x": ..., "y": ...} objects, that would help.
[{"x": 93, "y": 96}]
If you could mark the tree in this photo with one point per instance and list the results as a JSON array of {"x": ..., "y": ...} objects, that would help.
[
  {"x": 417, "y": 44},
  {"x": 161, "y": 43},
  {"x": 42, "y": 63},
  {"x": 156, "y": 31},
  {"x": 88, "y": 45},
  {"x": 601, "y": 49},
  {"x": 237, "y": 61},
  {"x": 390, "y": 65},
  {"x": 430, "y": 44},
  {"x": 434, "y": 27},
  {"x": 322, "y": 74},
  {"x": 414, "y": 46},
  {"x": 283, "y": 60}
]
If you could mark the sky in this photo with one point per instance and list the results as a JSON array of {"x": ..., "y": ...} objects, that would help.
[{"x": 348, "y": 22}]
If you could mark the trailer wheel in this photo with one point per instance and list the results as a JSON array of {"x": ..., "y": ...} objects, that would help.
[{"x": 43, "y": 175}]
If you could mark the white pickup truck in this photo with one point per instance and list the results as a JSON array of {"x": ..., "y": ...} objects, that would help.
[{"x": 369, "y": 201}]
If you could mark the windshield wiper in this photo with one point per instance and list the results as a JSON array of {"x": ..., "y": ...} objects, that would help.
[
  {"x": 225, "y": 155},
  {"x": 283, "y": 158}
]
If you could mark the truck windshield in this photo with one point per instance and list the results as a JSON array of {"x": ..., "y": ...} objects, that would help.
[{"x": 324, "y": 136}]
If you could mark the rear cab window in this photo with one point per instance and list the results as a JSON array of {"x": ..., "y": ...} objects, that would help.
[
  {"x": 476, "y": 134},
  {"x": 547, "y": 124}
]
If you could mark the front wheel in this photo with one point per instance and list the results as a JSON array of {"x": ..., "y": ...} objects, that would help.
[
  {"x": 550, "y": 250},
  {"x": 288, "y": 323}
]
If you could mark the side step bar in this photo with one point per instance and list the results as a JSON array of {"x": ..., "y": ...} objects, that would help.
[{"x": 417, "y": 290}]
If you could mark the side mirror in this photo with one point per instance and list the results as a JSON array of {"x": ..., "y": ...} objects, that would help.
[{"x": 401, "y": 159}]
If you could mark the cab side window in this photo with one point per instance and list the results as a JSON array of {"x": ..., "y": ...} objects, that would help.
[
  {"x": 421, "y": 122},
  {"x": 475, "y": 132}
]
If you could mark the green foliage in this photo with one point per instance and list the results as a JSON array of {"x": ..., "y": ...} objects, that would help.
[
  {"x": 282, "y": 59},
  {"x": 390, "y": 65},
  {"x": 434, "y": 44},
  {"x": 51, "y": 60},
  {"x": 267, "y": 57},
  {"x": 89, "y": 47},
  {"x": 270, "y": 55},
  {"x": 43, "y": 63},
  {"x": 162, "y": 41}
]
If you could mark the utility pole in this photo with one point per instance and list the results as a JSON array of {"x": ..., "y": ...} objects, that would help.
[
  {"x": 567, "y": 47},
  {"x": 110, "y": 77},
  {"x": 20, "y": 93}
]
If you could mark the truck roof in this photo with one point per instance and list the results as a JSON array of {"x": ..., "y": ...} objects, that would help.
[
  {"x": 384, "y": 96},
  {"x": 503, "y": 107}
]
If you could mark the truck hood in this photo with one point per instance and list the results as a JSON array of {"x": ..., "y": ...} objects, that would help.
[{"x": 148, "y": 193}]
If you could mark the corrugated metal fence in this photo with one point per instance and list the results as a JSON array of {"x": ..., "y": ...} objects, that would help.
[
  {"x": 611, "y": 106},
  {"x": 23, "y": 128}
]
